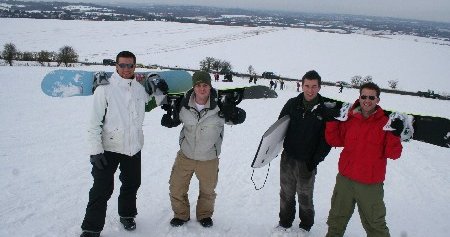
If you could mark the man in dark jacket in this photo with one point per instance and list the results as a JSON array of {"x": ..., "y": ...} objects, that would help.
[{"x": 304, "y": 148}]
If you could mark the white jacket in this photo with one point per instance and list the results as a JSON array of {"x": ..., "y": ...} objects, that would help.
[{"x": 117, "y": 117}]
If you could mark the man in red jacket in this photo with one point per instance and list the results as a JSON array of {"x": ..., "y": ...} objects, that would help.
[{"x": 362, "y": 163}]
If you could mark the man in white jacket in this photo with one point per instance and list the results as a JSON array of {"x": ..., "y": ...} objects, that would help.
[{"x": 116, "y": 139}]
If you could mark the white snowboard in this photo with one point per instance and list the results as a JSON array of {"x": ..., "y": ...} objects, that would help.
[{"x": 271, "y": 142}]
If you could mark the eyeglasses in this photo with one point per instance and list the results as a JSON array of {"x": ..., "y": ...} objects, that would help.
[
  {"x": 126, "y": 65},
  {"x": 371, "y": 97}
]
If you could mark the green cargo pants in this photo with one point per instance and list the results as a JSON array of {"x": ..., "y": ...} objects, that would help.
[{"x": 368, "y": 197}]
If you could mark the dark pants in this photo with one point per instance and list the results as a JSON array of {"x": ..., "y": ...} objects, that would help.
[
  {"x": 295, "y": 178},
  {"x": 102, "y": 189}
]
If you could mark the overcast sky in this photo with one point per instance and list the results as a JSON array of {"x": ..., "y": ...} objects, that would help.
[{"x": 434, "y": 10}]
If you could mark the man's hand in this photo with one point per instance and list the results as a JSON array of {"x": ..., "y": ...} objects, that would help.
[
  {"x": 330, "y": 114},
  {"x": 99, "y": 161},
  {"x": 169, "y": 122},
  {"x": 153, "y": 82},
  {"x": 397, "y": 125},
  {"x": 161, "y": 84}
]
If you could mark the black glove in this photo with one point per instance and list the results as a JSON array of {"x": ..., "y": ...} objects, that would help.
[
  {"x": 239, "y": 116},
  {"x": 397, "y": 124},
  {"x": 227, "y": 111},
  {"x": 232, "y": 114},
  {"x": 166, "y": 107},
  {"x": 168, "y": 121},
  {"x": 154, "y": 82},
  {"x": 161, "y": 84},
  {"x": 331, "y": 112},
  {"x": 99, "y": 161}
]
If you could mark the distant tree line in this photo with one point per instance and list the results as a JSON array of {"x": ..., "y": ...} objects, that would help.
[
  {"x": 210, "y": 64},
  {"x": 358, "y": 80},
  {"x": 65, "y": 55}
]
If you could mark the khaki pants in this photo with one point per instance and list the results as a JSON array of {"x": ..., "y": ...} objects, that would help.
[
  {"x": 368, "y": 197},
  {"x": 180, "y": 178}
]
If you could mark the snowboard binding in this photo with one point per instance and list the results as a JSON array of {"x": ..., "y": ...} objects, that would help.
[
  {"x": 172, "y": 104},
  {"x": 100, "y": 78},
  {"x": 408, "y": 129},
  {"x": 231, "y": 96}
]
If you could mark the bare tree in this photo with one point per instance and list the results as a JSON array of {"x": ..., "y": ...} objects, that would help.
[
  {"x": 9, "y": 53},
  {"x": 356, "y": 80},
  {"x": 225, "y": 67},
  {"x": 216, "y": 65},
  {"x": 44, "y": 56},
  {"x": 251, "y": 70},
  {"x": 28, "y": 56},
  {"x": 207, "y": 64},
  {"x": 393, "y": 84},
  {"x": 67, "y": 55},
  {"x": 367, "y": 79}
]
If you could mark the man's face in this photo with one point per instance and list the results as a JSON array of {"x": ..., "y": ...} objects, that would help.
[
  {"x": 310, "y": 89},
  {"x": 202, "y": 91},
  {"x": 368, "y": 100},
  {"x": 125, "y": 67}
]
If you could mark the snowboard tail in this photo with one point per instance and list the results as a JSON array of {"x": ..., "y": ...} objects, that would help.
[{"x": 428, "y": 129}]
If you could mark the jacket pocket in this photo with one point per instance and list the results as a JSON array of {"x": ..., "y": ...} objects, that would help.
[{"x": 112, "y": 139}]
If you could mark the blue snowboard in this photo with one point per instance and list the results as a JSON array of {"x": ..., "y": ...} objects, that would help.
[{"x": 67, "y": 83}]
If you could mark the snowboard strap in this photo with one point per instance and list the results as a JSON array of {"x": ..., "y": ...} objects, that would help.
[
  {"x": 408, "y": 129},
  {"x": 267, "y": 174}
]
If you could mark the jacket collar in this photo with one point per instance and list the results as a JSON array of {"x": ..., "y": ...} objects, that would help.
[
  {"x": 300, "y": 98},
  {"x": 120, "y": 81},
  {"x": 189, "y": 101},
  {"x": 355, "y": 111}
]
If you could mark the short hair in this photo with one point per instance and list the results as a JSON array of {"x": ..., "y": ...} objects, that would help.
[
  {"x": 126, "y": 54},
  {"x": 312, "y": 75},
  {"x": 370, "y": 86}
]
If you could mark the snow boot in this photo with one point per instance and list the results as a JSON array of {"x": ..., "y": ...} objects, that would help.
[
  {"x": 128, "y": 223},
  {"x": 206, "y": 222},
  {"x": 304, "y": 227},
  {"x": 176, "y": 222},
  {"x": 284, "y": 225},
  {"x": 90, "y": 234}
]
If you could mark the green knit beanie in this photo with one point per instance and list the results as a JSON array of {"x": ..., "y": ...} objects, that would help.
[{"x": 201, "y": 77}]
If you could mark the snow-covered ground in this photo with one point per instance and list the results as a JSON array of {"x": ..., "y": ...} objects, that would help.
[{"x": 45, "y": 169}]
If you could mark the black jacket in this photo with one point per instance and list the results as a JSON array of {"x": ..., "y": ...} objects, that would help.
[{"x": 305, "y": 137}]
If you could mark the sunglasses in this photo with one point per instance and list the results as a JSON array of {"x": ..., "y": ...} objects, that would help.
[
  {"x": 371, "y": 97},
  {"x": 126, "y": 65}
]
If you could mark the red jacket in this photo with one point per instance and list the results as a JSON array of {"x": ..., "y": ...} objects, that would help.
[{"x": 366, "y": 145}]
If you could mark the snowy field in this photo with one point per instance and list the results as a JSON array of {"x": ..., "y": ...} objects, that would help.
[
  {"x": 45, "y": 173},
  {"x": 417, "y": 63}
]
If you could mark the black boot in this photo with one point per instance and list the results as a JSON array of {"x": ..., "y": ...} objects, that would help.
[
  {"x": 176, "y": 222},
  {"x": 206, "y": 222},
  {"x": 90, "y": 234},
  {"x": 128, "y": 223},
  {"x": 304, "y": 227}
]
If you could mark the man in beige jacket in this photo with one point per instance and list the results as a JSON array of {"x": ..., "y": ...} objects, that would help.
[{"x": 200, "y": 144}]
